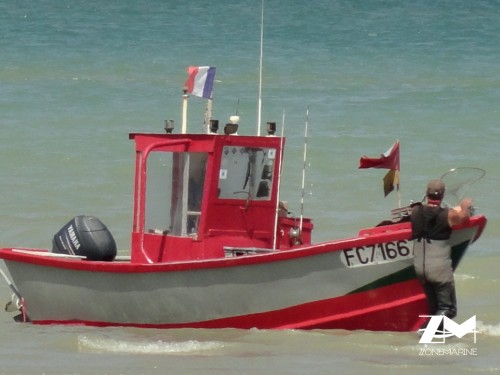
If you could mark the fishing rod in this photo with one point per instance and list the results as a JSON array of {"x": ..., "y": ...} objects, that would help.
[
  {"x": 279, "y": 181},
  {"x": 304, "y": 171}
]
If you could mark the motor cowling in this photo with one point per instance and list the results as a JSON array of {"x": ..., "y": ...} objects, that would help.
[{"x": 85, "y": 236}]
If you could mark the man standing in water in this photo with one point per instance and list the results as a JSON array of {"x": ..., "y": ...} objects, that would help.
[{"x": 431, "y": 229}]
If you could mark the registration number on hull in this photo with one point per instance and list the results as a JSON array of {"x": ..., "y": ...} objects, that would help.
[{"x": 376, "y": 254}]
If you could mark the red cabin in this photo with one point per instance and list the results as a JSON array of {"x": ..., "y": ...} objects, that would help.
[{"x": 209, "y": 196}]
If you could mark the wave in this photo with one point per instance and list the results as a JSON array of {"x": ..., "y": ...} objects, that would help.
[{"x": 99, "y": 344}]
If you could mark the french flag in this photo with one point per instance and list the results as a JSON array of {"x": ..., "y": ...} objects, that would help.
[{"x": 200, "y": 81}]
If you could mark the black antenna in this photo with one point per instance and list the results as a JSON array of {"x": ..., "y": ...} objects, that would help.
[{"x": 237, "y": 107}]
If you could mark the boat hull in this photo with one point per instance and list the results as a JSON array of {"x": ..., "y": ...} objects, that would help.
[{"x": 348, "y": 284}]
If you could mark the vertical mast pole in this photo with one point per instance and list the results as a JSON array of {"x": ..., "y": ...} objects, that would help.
[{"x": 259, "y": 106}]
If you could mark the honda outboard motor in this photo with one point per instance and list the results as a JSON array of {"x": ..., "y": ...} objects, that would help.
[{"x": 85, "y": 236}]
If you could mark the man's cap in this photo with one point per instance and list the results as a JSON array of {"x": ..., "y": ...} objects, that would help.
[{"x": 435, "y": 189}]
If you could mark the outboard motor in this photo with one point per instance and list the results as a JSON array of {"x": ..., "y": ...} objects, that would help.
[{"x": 85, "y": 236}]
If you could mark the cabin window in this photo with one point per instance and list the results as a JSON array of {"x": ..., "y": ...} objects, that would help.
[
  {"x": 174, "y": 192},
  {"x": 246, "y": 173}
]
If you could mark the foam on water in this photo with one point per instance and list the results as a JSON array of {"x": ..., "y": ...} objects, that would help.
[
  {"x": 488, "y": 329},
  {"x": 111, "y": 345}
]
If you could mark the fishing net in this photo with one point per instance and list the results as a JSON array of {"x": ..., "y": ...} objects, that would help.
[{"x": 458, "y": 182}]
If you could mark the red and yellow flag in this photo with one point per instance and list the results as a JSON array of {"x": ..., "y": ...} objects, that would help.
[{"x": 388, "y": 160}]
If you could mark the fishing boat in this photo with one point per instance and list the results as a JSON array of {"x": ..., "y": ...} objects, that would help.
[{"x": 213, "y": 246}]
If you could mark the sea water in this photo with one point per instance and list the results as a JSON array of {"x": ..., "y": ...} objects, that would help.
[{"x": 77, "y": 77}]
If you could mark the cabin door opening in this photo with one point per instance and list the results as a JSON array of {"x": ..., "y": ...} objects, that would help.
[{"x": 174, "y": 192}]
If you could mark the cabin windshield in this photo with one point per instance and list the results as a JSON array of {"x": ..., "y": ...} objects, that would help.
[
  {"x": 174, "y": 192},
  {"x": 246, "y": 173}
]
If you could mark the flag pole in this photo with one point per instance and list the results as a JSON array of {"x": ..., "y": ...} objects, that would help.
[
  {"x": 208, "y": 115},
  {"x": 399, "y": 177},
  {"x": 184, "y": 111},
  {"x": 398, "y": 189},
  {"x": 185, "y": 167}
]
